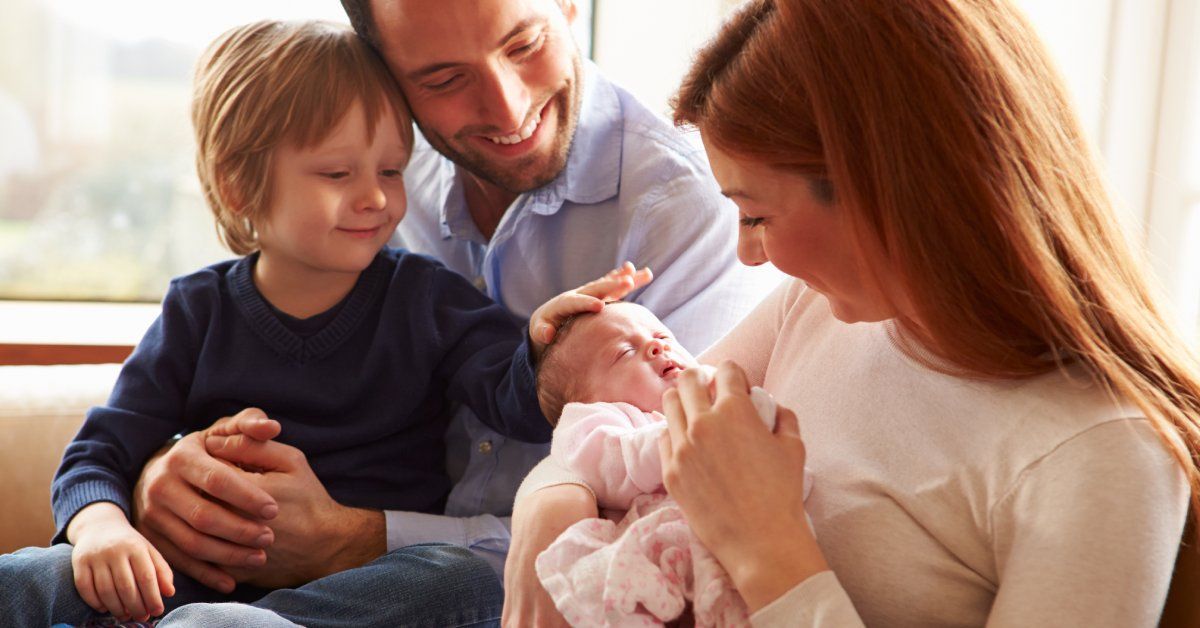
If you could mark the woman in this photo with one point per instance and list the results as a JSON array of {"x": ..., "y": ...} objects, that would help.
[{"x": 1007, "y": 432}]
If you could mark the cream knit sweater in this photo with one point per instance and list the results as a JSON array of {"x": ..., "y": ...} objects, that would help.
[{"x": 943, "y": 501}]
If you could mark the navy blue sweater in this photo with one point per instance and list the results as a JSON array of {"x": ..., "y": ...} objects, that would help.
[{"x": 364, "y": 397}]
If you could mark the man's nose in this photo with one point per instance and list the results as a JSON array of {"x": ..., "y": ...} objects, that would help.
[{"x": 505, "y": 100}]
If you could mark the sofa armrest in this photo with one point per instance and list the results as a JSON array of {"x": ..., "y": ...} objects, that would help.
[{"x": 41, "y": 408}]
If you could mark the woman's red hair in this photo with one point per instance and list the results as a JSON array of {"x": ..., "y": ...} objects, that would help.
[{"x": 945, "y": 129}]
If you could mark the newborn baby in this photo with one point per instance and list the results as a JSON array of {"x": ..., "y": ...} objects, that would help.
[{"x": 603, "y": 381}]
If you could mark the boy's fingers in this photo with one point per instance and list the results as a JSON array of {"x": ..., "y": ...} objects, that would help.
[
  {"x": 145, "y": 574},
  {"x": 127, "y": 589},
  {"x": 163, "y": 573},
  {"x": 108, "y": 594},
  {"x": 87, "y": 589}
]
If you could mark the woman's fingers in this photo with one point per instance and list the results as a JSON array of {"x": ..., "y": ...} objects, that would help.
[
  {"x": 731, "y": 381},
  {"x": 786, "y": 422},
  {"x": 693, "y": 394},
  {"x": 676, "y": 420}
]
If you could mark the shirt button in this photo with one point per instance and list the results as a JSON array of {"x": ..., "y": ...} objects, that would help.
[
  {"x": 485, "y": 447},
  {"x": 480, "y": 284}
]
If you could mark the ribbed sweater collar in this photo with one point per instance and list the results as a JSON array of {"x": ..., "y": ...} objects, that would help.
[{"x": 267, "y": 325}]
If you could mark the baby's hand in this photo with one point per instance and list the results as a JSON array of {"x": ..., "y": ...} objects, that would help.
[
  {"x": 116, "y": 569},
  {"x": 589, "y": 297}
]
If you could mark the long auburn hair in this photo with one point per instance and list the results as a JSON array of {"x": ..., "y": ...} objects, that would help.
[{"x": 946, "y": 131}]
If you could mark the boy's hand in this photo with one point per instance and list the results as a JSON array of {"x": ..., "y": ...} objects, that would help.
[
  {"x": 116, "y": 569},
  {"x": 589, "y": 297}
]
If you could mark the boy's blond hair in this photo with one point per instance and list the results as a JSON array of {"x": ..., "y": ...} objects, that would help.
[{"x": 268, "y": 83}]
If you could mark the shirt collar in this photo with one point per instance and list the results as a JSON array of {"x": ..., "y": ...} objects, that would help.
[{"x": 593, "y": 171}]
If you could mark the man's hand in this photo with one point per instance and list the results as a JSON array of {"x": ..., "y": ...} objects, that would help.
[
  {"x": 204, "y": 515},
  {"x": 537, "y": 520},
  {"x": 314, "y": 535}
]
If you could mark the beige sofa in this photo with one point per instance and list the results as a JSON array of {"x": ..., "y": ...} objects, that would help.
[{"x": 41, "y": 408}]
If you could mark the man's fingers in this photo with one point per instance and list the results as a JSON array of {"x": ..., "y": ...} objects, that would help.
[
  {"x": 251, "y": 422},
  {"x": 204, "y": 573},
  {"x": 215, "y": 519},
  {"x": 224, "y": 482},
  {"x": 250, "y": 453},
  {"x": 207, "y": 548}
]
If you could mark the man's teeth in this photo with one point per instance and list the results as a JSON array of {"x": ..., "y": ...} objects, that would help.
[{"x": 519, "y": 137}]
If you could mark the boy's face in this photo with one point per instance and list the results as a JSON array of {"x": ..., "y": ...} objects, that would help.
[
  {"x": 628, "y": 355},
  {"x": 494, "y": 85},
  {"x": 334, "y": 205}
]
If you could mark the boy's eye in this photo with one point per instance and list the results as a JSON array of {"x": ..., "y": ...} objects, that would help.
[
  {"x": 391, "y": 172},
  {"x": 340, "y": 174},
  {"x": 747, "y": 221}
]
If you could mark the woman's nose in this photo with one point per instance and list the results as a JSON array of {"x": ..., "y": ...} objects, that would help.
[{"x": 750, "y": 249}]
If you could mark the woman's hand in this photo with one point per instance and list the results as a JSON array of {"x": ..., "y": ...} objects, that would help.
[
  {"x": 740, "y": 485},
  {"x": 589, "y": 297},
  {"x": 537, "y": 521}
]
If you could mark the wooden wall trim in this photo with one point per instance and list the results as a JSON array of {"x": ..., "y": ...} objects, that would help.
[{"x": 46, "y": 354}]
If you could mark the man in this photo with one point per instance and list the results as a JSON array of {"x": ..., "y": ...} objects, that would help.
[{"x": 535, "y": 175}]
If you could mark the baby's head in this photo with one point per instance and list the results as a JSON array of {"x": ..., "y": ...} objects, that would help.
[
  {"x": 273, "y": 84},
  {"x": 623, "y": 353}
]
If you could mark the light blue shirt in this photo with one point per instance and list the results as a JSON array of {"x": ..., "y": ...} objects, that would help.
[{"x": 634, "y": 188}]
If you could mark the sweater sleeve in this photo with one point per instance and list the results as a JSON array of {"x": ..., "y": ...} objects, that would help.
[
  {"x": 484, "y": 360},
  {"x": 1089, "y": 533},
  {"x": 613, "y": 451},
  {"x": 751, "y": 343},
  {"x": 145, "y": 409}
]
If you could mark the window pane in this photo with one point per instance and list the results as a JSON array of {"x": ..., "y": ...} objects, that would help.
[{"x": 98, "y": 193}]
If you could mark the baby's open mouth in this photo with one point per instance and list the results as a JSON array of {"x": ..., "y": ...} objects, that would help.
[{"x": 670, "y": 370}]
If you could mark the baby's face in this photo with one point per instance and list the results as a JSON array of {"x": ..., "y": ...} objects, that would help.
[{"x": 628, "y": 355}]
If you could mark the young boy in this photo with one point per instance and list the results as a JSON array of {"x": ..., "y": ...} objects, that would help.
[
  {"x": 602, "y": 382},
  {"x": 302, "y": 140}
]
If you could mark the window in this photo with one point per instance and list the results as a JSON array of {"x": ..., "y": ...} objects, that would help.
[{"x": 98, "y": 192}]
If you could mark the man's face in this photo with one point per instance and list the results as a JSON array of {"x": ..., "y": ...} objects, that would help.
[{"x": 495, "y": 85}]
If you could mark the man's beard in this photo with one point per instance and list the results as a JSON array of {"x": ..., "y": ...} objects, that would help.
[{"x": 531, "y": 171}]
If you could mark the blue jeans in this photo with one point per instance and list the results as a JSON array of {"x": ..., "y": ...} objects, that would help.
[{"x": 421, "y": 585}]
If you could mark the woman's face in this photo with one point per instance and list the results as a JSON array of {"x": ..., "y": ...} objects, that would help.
[{"x": 786, "y": 219}]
